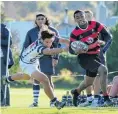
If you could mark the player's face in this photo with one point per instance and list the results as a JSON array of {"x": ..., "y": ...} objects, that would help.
[
  {"x": 88, "y": 16},
  {"x": 40, "y": 20},
  {"x": 80, "y": 18},
  {"x": 48, "y": 42}
]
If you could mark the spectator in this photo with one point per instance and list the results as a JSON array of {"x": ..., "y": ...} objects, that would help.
[{"x": 4, "y": 49}]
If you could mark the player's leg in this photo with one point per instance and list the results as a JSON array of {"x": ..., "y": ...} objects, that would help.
[
  {"x": 52, "y": 85},
  {"x": 41, "y": 77},
  {"x": 96, "y": 85},
  {"x": 102, "y": 70},
  {"x": 50, "y": 80},
  {"x": 89, "y": 96},
  {"x": 87, "y": 62},
  {"x": 36, "y": 93},
  {"x": 18, "y": 76},
  {"x": 114, "y": 91},
  {"x": 114, "y": 88},
  {"x": 88, "y": 81}
]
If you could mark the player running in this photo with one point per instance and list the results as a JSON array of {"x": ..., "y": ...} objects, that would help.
[
  {"x": 29, "y": 63},
  {"x": 88, "y": 32}
]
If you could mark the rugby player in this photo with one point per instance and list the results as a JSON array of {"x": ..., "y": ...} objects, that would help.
[
  {"x": 88, "y": 32},
  {"x": 29, "y": 63},
  {"x": 96, "y": 84}
]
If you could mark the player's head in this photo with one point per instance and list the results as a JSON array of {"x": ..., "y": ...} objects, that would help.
[
  {"x": 47, "y": 37},
  {"x": 41, "y": 19},
  {"x": 88, "y": 15},
  {"x": 79, "y": 17}
]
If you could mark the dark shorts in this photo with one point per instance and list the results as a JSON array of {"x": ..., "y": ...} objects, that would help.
[{"x": 90, "y": 63}]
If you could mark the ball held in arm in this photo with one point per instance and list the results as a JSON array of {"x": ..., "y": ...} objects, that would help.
[{"x": 76, "y": 46}]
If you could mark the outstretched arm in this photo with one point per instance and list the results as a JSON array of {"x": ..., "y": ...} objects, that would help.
[
  {"x": 48, "y": 51},
  {"x": 64, "y": 41}
]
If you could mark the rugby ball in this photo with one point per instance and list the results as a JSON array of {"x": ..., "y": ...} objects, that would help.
[{"x": 78, "y": 45}]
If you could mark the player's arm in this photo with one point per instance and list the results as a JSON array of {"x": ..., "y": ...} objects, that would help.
[
  {"x": 64, "y": 41},
  {"x": 51, "y": 51},
  {"x": 105, "y": 36},
  {"x": 72, "y": 38}
]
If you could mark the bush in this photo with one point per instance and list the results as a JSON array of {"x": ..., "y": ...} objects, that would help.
[
  {"x": 112, "y": 55},
  {"x": 69, "y": 62}
]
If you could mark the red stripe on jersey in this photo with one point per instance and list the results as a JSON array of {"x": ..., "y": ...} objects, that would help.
[
  {"x": 94, "y": 52},
  {"x": 72, "y": 39},
  {"x": 94, "y": 35},
  {"x": 80, "y": 31},
  {"x": 34, "y": 43},
  {"x": 100, "y": 28}
]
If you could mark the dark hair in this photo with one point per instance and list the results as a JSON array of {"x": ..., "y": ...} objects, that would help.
[
  {"x": 47, "y": 20},
  {"x": 47, "y": 34},
  {"x": 77, "y": 11}
]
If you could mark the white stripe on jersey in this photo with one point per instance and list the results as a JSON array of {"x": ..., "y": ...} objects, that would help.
[{"x": 32, "y": 52}]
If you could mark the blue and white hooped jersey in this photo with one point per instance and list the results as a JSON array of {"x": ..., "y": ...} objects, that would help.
[{"x": 32, "y": 52}]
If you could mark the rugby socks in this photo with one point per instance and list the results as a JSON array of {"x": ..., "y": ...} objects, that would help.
[
  {"x": 106, "y": 96},
  {"x": 114, "y": 100},
  {"x": 89, "y": 97},
  {"x": 54, "y": 100},
  {"x": 36, "y": 91},
  {"x": 96, "y": 98},
  {"x": 75, "y": 92},
  {"x": 9, "y": 79}
]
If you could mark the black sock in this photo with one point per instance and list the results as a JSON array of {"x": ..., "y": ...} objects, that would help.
[
  {"x": 76, "y": 93},
  {"x": 106, "y": 98},
  {"x": 9, "y": 79},
  {"x": 89, "y": 95},
  {"x": 53, "y": 100}
]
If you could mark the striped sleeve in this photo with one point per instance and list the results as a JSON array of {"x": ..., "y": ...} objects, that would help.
[
  {"x": 72, "y": 38},
  {"x": 40, "y": 49},
  {"x": 99, "y": 26}
]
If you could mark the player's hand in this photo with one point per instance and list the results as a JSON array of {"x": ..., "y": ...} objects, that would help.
[
  {"x": 54, "y": 62},
  {"x": 101, "y": 42},
  {"x": 79, "y": 51},
  {"x": 66, "y": 49}
]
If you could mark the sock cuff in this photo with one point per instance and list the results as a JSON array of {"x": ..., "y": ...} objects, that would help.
[
  {"x": 53, "y": 100},
  {"x": 89, "y": 95},
  {"x": 105, "y": 94},
  {"x": 9, "y": 79}
]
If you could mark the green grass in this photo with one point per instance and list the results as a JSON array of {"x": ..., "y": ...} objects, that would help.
[{"x": 22, "y": 98}]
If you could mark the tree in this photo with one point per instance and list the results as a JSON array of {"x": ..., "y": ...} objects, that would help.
[
  {"x": 112, "y": 55},
  {"x": 116, "y": 8}
]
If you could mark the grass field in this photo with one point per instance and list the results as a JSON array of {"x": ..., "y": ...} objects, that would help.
[{"x": 22, "y": 98}]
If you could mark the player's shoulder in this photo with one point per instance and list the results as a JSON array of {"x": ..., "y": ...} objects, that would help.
[
  {"x": 92, "y": 22},
  {"x": 74, "y": 29},
  {"x": 34, "y": 29}
]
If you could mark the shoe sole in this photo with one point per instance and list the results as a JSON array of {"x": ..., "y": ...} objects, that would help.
[{"x": 61, "y": 106}]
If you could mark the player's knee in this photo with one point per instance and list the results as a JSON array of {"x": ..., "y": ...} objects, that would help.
[
  {"x": 45, "y": 80},
  {"x": 88, "y": 83},
  {"x": 115, "y": 80},
  {"x": 102, "y": 69},
  {"x": 21, "y": 75}
]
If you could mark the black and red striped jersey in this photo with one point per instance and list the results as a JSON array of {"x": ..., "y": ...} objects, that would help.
[{"x": 89, "y": 36}]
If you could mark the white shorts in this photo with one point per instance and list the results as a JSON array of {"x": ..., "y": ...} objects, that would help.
[{"x": 28, "y": 68}]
